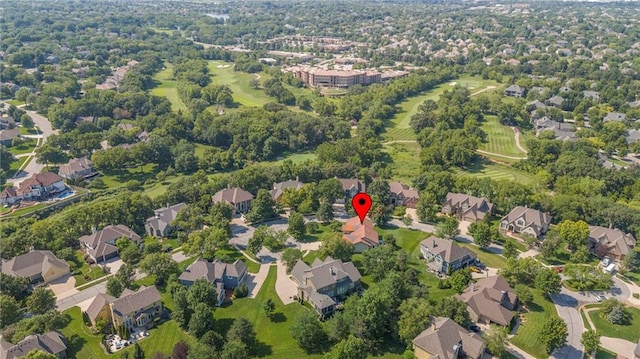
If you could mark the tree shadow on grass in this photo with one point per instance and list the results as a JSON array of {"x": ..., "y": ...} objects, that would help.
[
  {"x": 534, "y": 307},
  {"x": 262, "y": 350},
  {"x": 278, "y": 318},
  {"x": 223, "y": 325},
  {"x": 74, "y": 345}
]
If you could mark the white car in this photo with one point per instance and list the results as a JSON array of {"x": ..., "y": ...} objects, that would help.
[{"x": 600, "y": 298}]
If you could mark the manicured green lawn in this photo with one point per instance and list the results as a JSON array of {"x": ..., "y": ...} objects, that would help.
[
  {"x": 87, "y": 272},
  {"x": 489, "y": 259},
  {"x": 500, "y": 138},
  {"x": 239, "y": 82},
  {"x": 310, "y": 257},
  {"x": 629, "y": 332},
  {"x": 87, "y": 346},
  {"x": 30, "y": 131},
  {"x": 26, "y": 210},
  {"x": 406, "y": 161},
  {"x": 528, "y": 336},
  {"x": 168, "y": 87},
  {"x": 234, "y": 254},
  {"x": 484, "y": 168},
  {"x": 115, "y": 179},
  {"x": 15, "y": 165}
]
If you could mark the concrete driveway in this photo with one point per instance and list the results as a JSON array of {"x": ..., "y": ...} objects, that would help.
[
  {"x": 285, "y": 286},
  {"x": 77, "y": 298},
  {"x": 255, "y": 281},
  {"x": 65, "y": 285}
]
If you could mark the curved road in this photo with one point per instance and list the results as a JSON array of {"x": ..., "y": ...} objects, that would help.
[{"x": 33, "y": 166}]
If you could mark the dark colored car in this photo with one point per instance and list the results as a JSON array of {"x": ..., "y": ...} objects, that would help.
[{"x": 475, "y": 328}]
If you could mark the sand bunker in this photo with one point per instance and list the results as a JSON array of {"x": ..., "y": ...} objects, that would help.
[
  {"x": 223, "y": 66},
  {"x": 452, "y": 83}
]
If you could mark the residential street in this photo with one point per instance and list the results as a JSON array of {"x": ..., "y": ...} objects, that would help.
[{"x": 567, "y": 307}]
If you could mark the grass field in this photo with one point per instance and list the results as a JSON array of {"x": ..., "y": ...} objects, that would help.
[
  {"x": 239, "y": 82},
  {"x": 27, "y": 146},
  {"x": 15, "y": 165},
  {"x": 168, "y": 88},
  {"x": 406, "y": 161},
  {"x": 629, "y": 332},
  {"x": 500, "y": 138},
  {"x": 528, "y": 335},
  {"x": 497, "y": 172}
]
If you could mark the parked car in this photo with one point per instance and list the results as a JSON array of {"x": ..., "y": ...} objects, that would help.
[
  {"x": 480, "y": 265},
  {"x": 475, "y": 269},
  {"x": 559, "y": 269},
  {"x": 600, "y": 298},
  {"x": 475, "y": 328}
]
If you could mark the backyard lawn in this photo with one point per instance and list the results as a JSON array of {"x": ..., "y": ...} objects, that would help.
[
  {"x": 27, "y": 146},
  {"x": 168, "y": 87},
  {"x": 15, "y": 165},
  {"x": 629, "y": 331},
  {"x": 528, "y": 335}
]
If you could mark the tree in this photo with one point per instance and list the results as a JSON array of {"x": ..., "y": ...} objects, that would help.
[
  {"x": 550, "y": 245},
  {"x": 48, "y": 154},
  {"x": 591, "y": 341},
  {"x": 290, "y": 257},
  {"x": 21, "y": 94},
  {"x": 213, "y": 340},
  {"x": 202, "y": 291},
  {"x": 548, "y": 281},
  {"x": 39, "y": 354},
  {"x": 307, "y": 331},
  {"x": 337, "y": 326},
  {"x": 159, "y": 264},
  {"x": 453, "y": 308},
  {"x": 263, "y": 207},
  {"x": 481, "y": 232},
  {"x": 201, "y": 321},
  {"x": 325, "y": 212},
  {"x": 575, "y": 234},
  {"x": 333, "y": 245},
  {"x": 407, "y": 220},
  {"x": 242, "y": 331},
  {"x": 9, "y": 310},
  {"x": 115, "y": 287},
  {"x": 523, "y": 293},
  {"x": 618, "y": 315},
  {"x": 460, "y": 279},
  {"x": 202, "y": 351},
  {"x": 268, "y": 306},
  {"x": 350, "y": 348},
  {"x": 509, "y": 249},
  {"x": 138, "y": 353},
  {"x": 448, "y": 228},
  {"x": 41, "y": 301},
  {"x": 554, "y": 334},
  {"x": 414, "y": 318},
  {"x": 26, "y": 121},
  {"x": 235, "y": 349},
  {"x": 296, "y": 225},
  {"x": 496, "y": 337},
  {"x": 182, "y": 312}
]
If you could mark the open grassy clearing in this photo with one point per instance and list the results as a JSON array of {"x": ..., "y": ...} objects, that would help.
[
  {"x": 239, "y": 82},
  {"x": 528, "y": 336},
  {"x": 628, "y": 331},
  {"x": 167, "y": 87},
  {"x": 27, "y": 146},
  {"x": 500, "y": 138},
  {"x": 497, "y": 172},
  {"x": 406, "y": 160}
]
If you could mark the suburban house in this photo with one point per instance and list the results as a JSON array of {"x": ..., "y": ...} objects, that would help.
[
  {"x": 160, "y": 224},
  {"x": 7, "y": 122},
  {"x": 537, "y": 105},
  {"x": 351, "y": 186},
  {"x": 280, "y": 187},
  {"x": 526, "y": 220},
  {"x": 38, "y": 187},
  {"x": 594, "y": 95},
  {"x": 101, "y": 245},
  {"x": 323, "y": 284},
  {"x": 7, "y": 136},
  {"x": 444, "y": 256},
  {"x": 222, "y": 275},
  {"x": 446, "y": 339},
  {"x": 614, "y": 116},
  {"x": 37, "y": 266},
  {"x": 50, "y": 342},
  {"x": 561, "y": 131},
  {"x": 99, "y": 308},
  {"x": 514, "y": 91},
  {"x": 136, "y": 309},
  {"x": 238, "y": 198},
  {"x": 610, "y": 242},
  {"x": 632, "y": 135},
  {"x": 402, "y": 195},
  {"x": 77, "y": 168},
  {"x": 362, "y": 235},
  {"x": 467, "y": 208},
  {"x": 490, "y": 300},
  {"x": 556, "y": 101}
]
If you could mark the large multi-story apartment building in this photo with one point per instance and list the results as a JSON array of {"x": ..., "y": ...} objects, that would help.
[{"x": 318, "y": 77}]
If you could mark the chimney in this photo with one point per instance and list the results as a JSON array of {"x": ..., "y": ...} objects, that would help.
[
  {"x": 435, "y": 326},
  {"x": 93, "y": 229},
  {"x": 297, "y": 178}
]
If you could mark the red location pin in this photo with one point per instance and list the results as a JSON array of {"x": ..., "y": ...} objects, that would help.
[{"x": 361, "y": 203}]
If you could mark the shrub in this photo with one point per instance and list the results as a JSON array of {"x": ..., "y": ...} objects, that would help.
[
  {"x": 241, "y": 291},
  {"x": 312, "y": 227},
  {"x": 618, "y": 315}
]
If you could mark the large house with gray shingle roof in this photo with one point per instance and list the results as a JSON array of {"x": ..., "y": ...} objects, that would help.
[
  {"x": 280, "y": 187},
  {"x": 490, "y": 300},
  {"x": 444, "y": 256},
  {"x": 514, "y": 91},
  {"x": 402, "y": 195},
  {"x": 160, "y": 224},
  {"x": 36, "y": 266},
  {"x": 351, "y": 186},
  {"x": 77, "y": 168},
  {"x": 50, "y": 342},
  {"x": 101, "y": 245},
  {"x": 614, "y": 117},
  {"x": 323, "y": 284},
  {"x": 222, "y": 275},
  {"x": 136, "y": 309},
  {"x": 526, "y": 220},
  {"x": 238, "y": 198},
  {"x": 466, "y": 207},
  {"x": 446, "y": 339},
  {"x": 610, "y": 242}
]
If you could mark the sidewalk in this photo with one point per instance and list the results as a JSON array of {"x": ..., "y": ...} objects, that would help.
[{"x": 517, "y": 352}]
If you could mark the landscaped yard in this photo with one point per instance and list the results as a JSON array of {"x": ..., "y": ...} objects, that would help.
[
  {"x": 528, "y": 335},
  {"x": 500, "y": 138},
  {"x": 629, "y": 332},
  {"x": 27, "y": 146},
  {"x": 87, "y": 272},
  {"x": 489, "y": 259},
  {"x": 115, "y": 179},
  {"x": 232, "y": 254},
  {"x": 15, "y": 165},
  {"x": 82, "y": 344},
  {"x": 168, "y": 88},
  {"x": 485, "y": 168}
]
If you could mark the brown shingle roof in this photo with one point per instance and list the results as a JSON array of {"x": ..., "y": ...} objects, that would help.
[
  {"x": 75, "y": 166},
  {"x": 488, "y": 297},
  {"x": 50, "y": 342},
  {"x": 618, "y": 242},
  {"x": 103, "y": 242},
  {"x": 130, "y": 302},
  {"x": 444, "y": 335},
  {"x": 448, "y": 250},
  {"x": 232, "y": 195},
  {"x": 98, "y": 302},
  {"x": 33, "y": 263}
]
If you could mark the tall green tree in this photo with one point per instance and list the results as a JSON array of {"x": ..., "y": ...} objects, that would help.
[
  {"x": 481, "y": 232},
  {"x": 554, "y": 334},
  {"x": 333, "y": 245},
  {"x": 575, "y": 234},
  {"x": 414, "y": 318},
  {"x": 548, "y": 281},
  {"x": 138, "y": 353},
  {"x": 9, "y": 310},
  {"x": 41, "y": 301},
  {"x": 263, "y": 207},
  {"x": 350, "y": 348},
  {"x": 296, "y": 227},
  {"x": 591, "y": 341},
  {"x": 307, "y": 331},
  {"x": 202, "y": 320},
  {"x": 290, "y": 257},
  {"x": 448, "y": 228},
  {"x": 496, "y": 338},
  {"x": 243, "y": 331}
]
